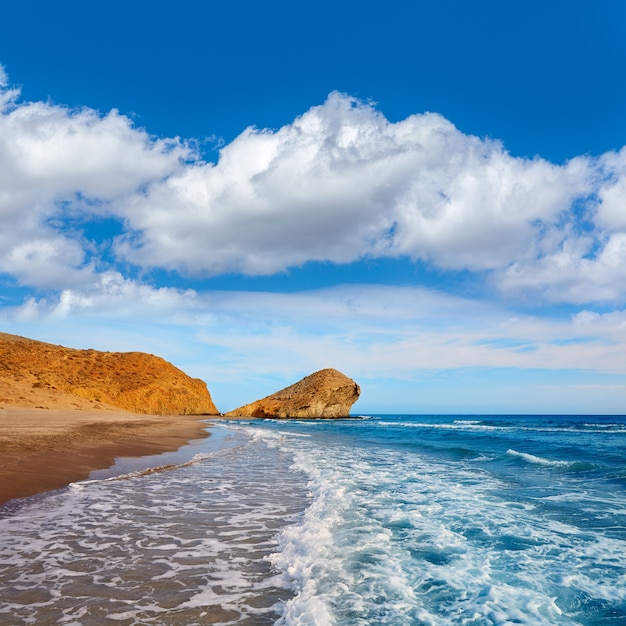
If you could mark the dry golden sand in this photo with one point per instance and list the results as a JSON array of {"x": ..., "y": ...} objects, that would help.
[{"x": 44, "y": 449}]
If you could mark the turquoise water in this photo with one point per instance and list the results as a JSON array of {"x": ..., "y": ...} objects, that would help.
[{"x": 387, "y": 519}]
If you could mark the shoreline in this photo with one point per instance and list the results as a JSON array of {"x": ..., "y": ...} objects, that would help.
[{"x": 43, "y": 450}]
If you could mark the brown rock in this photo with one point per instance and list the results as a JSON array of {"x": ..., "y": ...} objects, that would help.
[
  {"x": 42, "y": 374},
  {"x": 327, "y": 393}
]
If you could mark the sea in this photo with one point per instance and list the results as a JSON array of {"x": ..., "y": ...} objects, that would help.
[{"x": 377, "y": 519}]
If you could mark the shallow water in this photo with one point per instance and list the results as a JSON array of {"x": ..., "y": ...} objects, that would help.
[
  {"x": 188, "y": 544},
  {"x": 387, "y": 520}
]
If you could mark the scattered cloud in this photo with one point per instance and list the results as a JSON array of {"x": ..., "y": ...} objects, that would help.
[{"x": 400, "y": 330}]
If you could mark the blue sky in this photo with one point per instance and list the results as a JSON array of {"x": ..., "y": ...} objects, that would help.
[{"x": 428, "y": 196}]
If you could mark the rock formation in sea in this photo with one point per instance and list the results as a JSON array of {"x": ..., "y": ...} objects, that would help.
[
  {"x": 133, "y": 381},
  {"x": 327, "y": 393}
]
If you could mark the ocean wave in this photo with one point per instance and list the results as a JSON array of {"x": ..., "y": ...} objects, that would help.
[
  {"x": 456, "y": 425},
  {"x": 476, "y": 425},
  {"x": 603, "y": 428},
  {"x": 538, "y": 460}
]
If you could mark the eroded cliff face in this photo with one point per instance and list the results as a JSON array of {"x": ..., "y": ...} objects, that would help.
[
  {"x": 133, "y": 381},
  {"x": 327, "y": 394}
]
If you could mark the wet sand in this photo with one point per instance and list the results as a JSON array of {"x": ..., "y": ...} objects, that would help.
[{"x": 41, "y": 449}]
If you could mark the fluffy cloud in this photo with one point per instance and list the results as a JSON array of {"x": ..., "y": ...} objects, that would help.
[
  {"x": 571, "y": 273},
  {"x": 109, "y": 292},
  {"x": 341, "y": 183},
  {"x": 612, "y": 193},
  {"x": 338, "y": 184},
  {"x": 59, "y": 167}
]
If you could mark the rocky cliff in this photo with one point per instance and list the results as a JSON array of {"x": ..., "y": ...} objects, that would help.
[
  {"x": 327, "y": 393},
  {"x": 33, "y": 371}
]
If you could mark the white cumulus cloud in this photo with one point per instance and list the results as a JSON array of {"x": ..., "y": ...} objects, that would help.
[
  {"x": 342, "y": 183},
  {"x": 59, "y": 165},
  {"x": 338, "y": 184}
]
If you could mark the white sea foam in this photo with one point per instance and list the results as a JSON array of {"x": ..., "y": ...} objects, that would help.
[
  {"x": 390, "y": 538},
  {"x": 393, "y": 539},
  {"x": 190, "y": 543}
]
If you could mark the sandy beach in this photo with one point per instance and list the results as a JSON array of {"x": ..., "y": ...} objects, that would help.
[{"x": 44, "y": 449}]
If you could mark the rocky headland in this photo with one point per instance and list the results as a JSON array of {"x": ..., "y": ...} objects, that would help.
[
  {"x": 42, "y": 375},
  {"x": 326, "y": 394}
]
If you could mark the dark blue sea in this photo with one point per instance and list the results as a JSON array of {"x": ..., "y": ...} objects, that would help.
[{"x": 382, "y": 519}]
